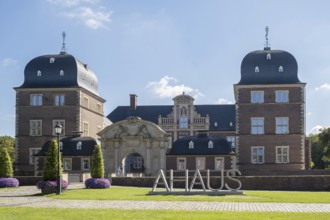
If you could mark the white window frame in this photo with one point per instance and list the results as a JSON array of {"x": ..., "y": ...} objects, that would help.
[
  {"x": 269, "y": 57},
  {"x": 255, "y": 155},
  {"x": 66, "y": 162},
  {"x": 282, "y": 96},
  {"x": 36, "y": 99},
  {"x": 280, "y": 69},
  {"x": 257, "y": 97},
  {"x": 282, "y": 125},
  {"x": 200, "y": 163},
  {"x": 256, "y": 69},
  {"x": 85, "y": 129},
  {"x": 59, "y": 100},
  {"x": 232, "y": 140},
  {"x": 219, "y": 163},
  {"x": 183, "y": 122},
  {"x": 256, "y": 126},
  {"x": 33, "y": 151},
  {"x": 35, "y": 127},
  {"x": 181, "y": 163},
  {"x": 83, "y": 163},
  {"x": 86, "y": 102},
  {"x": 284, "y": 153},
  {"x": 62, "y": 123}
]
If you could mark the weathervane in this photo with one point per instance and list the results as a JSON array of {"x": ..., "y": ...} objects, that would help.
[
  {"x": 266, "y": 36},
  {"x": 63, "y": 45}
]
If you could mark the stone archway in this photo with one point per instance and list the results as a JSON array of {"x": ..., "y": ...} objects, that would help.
[{"x": 133, "y": 163}]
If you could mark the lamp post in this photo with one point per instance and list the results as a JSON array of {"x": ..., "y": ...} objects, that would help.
[{"x": 58, "y": 131}]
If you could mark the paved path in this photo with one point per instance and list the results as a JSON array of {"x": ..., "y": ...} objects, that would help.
[{"x": 23, "y": 197}]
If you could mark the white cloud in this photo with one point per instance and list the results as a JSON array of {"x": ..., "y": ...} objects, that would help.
[
  {"x": 316, "y": 129},
  {"x": 90, "y": 17},
  {"x": 325, "y": 86},
  {"x": 224, "y": 101},
  {"x": 8, "y": 62},
  {"x": 88, "y": 12},
  {"x": 308, "y": 114},
  {"x": 71, "y": 3},
  {"x": 167, "y": 87}
]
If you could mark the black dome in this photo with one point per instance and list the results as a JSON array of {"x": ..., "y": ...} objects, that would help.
[
  {"x": 221, "y": 146},
  {"x": 269, "y": 67},
  {"x": 59, "y": 71}
]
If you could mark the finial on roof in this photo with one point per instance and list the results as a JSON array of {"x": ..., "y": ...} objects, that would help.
[
  {"x": 63, "y": 51},
  {"x": 267, "y": 45}
]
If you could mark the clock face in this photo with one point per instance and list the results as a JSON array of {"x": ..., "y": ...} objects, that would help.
[{"x": 183, "y": 122}]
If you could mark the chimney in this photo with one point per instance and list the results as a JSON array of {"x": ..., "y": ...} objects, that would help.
[{"x": 133, "y": 102}]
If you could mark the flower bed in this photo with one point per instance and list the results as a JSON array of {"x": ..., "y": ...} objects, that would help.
[
  {"x": 97, "y": 183},
  {"x": 48, "y": 187},
  {"x": 8, "y": 182}
]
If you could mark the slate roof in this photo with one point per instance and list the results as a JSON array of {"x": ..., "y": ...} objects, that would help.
[
  {"x": 222, "y": 114},
  {"x": 69, "y": 146},
  {"x": 40, "y": 72},
  {"x": 269, "y": 68},
  {"x": 220, "y": 146}
]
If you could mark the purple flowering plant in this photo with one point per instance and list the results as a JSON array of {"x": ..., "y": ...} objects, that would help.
[
  {"x": 51, "y": 184},
  {"x": 97, "y": 183},
  {"x": 8, "y": 182}
]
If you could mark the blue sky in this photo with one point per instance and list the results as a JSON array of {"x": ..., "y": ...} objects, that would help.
[{"x": 157, "y": 49}]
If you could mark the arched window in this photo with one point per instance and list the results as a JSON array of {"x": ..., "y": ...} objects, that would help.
[
  {"x": 191, "y": 145},
  {"x": 61, "y": 73},
  {"x": 79, "y": 145},
  {"x": 268, "y": 56},
  {"x": 39, "y": 73},
  {"x": 210, "y": 144},
  {"x": 280, "y": 68},
  {"x": 256, "y": 69},
  {"x": 52, "y": 60}
]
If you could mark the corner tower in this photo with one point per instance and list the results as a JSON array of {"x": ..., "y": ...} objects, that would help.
[
  {"x": 270, "y": 113},
  {"x": 57, "y": 88}
]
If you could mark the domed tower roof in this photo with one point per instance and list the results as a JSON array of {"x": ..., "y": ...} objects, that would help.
[
  {"x": 59, "y": 71},
  {"x": 269, "y": 67}
]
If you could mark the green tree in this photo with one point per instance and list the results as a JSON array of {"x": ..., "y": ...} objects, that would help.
[
  {"x": 6, "y": 167},
  {"x": 8, "y": 143},
  {"x": 97, "y": 163},
  {"x": 317, "y": 152},
  {"x": 324, "y": 138},
  {"x": 51, "y": 162}
]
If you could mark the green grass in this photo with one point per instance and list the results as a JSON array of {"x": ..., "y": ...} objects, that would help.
[
  {"x": 132, "y": 193},
  {"x": 10, "y": 213}
]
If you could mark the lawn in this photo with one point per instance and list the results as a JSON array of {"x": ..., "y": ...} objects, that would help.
[
  {"x": 140, "y": 194},
  {"x": 10, "y": 213}
]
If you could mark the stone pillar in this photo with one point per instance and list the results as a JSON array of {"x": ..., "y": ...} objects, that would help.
[{"x": 148, "y": 159}]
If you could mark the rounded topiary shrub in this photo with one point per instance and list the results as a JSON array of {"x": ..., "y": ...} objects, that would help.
[
  {"x": 97, "y": 183},
  {"x": 97, "y": 172},
  {"x": 8, "y": 182},
  {"x": 6, "y": 170},
  {"x": 48, "y": 186}
]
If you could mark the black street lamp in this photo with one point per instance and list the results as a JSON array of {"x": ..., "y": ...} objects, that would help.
[{"x": 58, "y": 131}]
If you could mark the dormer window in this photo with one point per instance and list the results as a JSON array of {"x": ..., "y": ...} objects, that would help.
[
  {"x": 231, "y": 124},
  {"x": 52, "y": 60},
  {"x": 215, "y": 124},
  {"x": 79, "y": 145},
  {"x": 39, "y": 73},
  {"x": 280, "y": 68},
  {"x": 61, "y": 145},
  {"x": 210, "y": 144},
  {"x": 268, "y": 56},
  {"x": 256, "y": 69},
  {"x": 61, "y": 73},
  {"x": 191, "y": 145}
]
